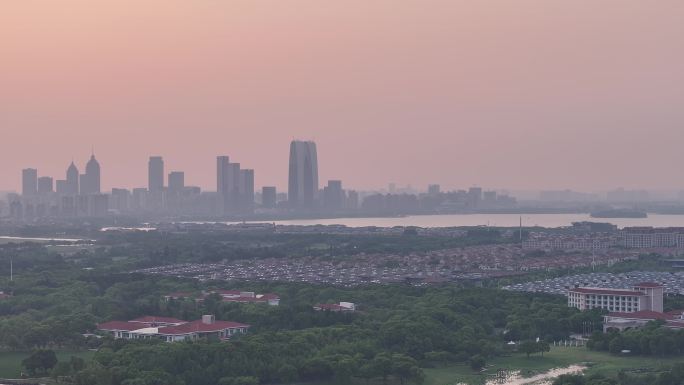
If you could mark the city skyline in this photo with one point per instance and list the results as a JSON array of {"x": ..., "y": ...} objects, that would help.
[
  {"x": 521, "y": 95},
  {"x": 72, "y": 183}
]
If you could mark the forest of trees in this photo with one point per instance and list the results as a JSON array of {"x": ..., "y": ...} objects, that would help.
[
  {"x": 397, "y": 331},
  {"x": 652, "y": 340}
]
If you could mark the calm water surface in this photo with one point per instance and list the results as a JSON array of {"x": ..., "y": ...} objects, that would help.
[{"x": 502, "y": 220}]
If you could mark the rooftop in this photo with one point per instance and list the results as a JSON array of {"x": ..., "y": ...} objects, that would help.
[
  {"x": 119, "y": 325},
  {"x": 158, "y": 320},
  {"x": 201, "y": 327},
  {"x": 648, "y": 284},
  {"x": 597, "y": 290},
  {"x": 643, "y": 315}
]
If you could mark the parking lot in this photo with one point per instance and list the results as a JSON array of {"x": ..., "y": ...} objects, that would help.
[
  {"x": 454, "y": 264},
  {"x": 673, "y": 282}
]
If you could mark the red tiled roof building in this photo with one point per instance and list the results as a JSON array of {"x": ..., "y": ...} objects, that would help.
[{"x": 172, "y": 330}]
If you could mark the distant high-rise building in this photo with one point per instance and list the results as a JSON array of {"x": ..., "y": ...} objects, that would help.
[
  {"x": 176, "y": 181},
  {"x": 120, "y": 199},
  {"x": 333, "y": 195},
  {"x": 45, "y": 185},
  {"x": 303, "y": 178},
  {"x": 90, "y": 181},
  {"x": 139, "y": 198},
  {"x": 61, "y": 187},
  {"x": 627, "y": 196},
  {"x": 83, "y": 184},
  {"x": 489, "y": 197},
  {"x": 474, "y": 196},
  {"x": 29, "y": 182},
  {"x": 433, "y": 189},
  {"x": 268, "y": 197},
  {"x": 72, "y": 179},
  {"x": 93, "y": 172},
  {"x": 352, "y": 200},
  {"x": 228, "y": 184},
  {"x": 155, "y": 174},
  {"x": 246, "y": 189},
  {"x": 222, "y": 163}
]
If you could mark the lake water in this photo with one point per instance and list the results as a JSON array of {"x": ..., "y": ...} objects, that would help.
[
  {"x": 38, "y": 239},
  {"x": 501, "y": 220}
]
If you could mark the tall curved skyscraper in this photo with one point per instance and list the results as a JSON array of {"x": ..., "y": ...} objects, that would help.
[{"x": 303, "y": 181}]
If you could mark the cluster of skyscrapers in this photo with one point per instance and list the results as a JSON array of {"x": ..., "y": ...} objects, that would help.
[
  {"x": 79, "y": 195},
  {"x": 167, "y": 195},
  {"x": 76, "y": 195}
]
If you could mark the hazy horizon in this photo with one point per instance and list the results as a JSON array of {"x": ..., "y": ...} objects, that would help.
[{"x": 525, "y": 95}]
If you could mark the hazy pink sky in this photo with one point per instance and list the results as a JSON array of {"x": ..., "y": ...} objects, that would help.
[{"x": 517, "y": 94}]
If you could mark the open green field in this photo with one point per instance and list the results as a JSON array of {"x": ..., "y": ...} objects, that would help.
[
  {"x": 602, "y": 363},
  {"x": 10, "y": 362}
]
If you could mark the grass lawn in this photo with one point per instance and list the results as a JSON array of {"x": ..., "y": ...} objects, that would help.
[
  {"x": 603, "y": 363},
  {"x": 10, "y": 362}
]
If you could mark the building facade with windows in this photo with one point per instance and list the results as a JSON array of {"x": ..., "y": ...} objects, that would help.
[{"x": 646, "y": 296}]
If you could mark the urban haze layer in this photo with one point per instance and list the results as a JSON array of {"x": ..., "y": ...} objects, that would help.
[{"x": 167, "y": 197}]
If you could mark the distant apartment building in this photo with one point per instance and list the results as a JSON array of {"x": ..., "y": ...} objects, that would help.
[
  {"x": 29, "y": 182},
  {"x": 583, "y": 241},
  {"x": 474, "y": 196},
  {"x": 246, "y": 191},
  {"x": 433, "y": 189},
  {"x": 234, "y": 187},
  {"x": 334, "y": 196},
  {"x": 176, "y": 182},
  {"x": 564, "y": 244},
  {"x": 120, "y": 200},
  {"x": 45, "y": 185},
  {"x": 155, "y": 174},
  {"x": 630, "y": 196},
  {"x": 649, "y": 237},
  {"x": 352, "y": 202},
  {"x": 268, "y": 197},
  {"x": 566, "y": 196}
]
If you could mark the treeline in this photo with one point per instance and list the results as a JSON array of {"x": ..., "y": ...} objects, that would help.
[
  {"x": 156, "y": 248},
  {"x": 652, "y": 340},
  {"x": 316, "y": 354}
]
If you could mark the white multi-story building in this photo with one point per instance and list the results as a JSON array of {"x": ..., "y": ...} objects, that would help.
[{"x": 645, "y": 296}]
